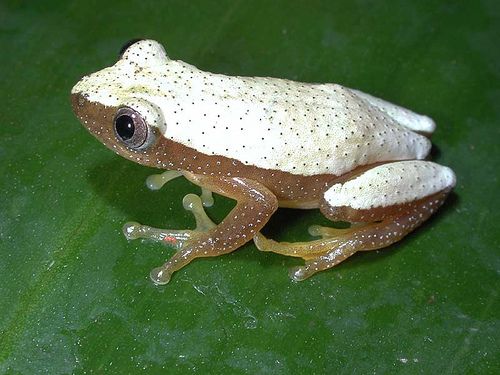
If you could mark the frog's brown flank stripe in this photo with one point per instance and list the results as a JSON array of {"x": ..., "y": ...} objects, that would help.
[{"x": 290, "y": 189}]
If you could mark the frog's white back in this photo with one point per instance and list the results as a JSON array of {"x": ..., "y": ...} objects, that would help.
[{"x": 270, "y": 123}]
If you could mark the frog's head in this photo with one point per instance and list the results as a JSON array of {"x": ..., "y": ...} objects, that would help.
[{"x": 116, "y": 104}]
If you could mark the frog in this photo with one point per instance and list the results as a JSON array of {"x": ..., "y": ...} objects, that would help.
[{"x": 266, "y": 143}]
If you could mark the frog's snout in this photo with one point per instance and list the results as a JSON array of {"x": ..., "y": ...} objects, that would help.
[
  {"x": 77, "y": 103},
  {"x": 95, "y": 117}
]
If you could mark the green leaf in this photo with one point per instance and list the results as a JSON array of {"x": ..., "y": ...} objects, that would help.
[{"x": 75, "y": 295}]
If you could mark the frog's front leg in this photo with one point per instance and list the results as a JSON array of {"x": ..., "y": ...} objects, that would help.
[
  {"x": 175, "y": 237},
  {"x": 157, "y": 181},
  {"x": 255, "y": 205},
  {"x": 391, "y": 200}
]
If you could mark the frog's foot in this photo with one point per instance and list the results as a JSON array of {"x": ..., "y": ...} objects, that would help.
[
  {"x": 312, "y": 252},
  {"x": 339, "y": 244},
  {"x": 175, "y": 238},
  {"x": 306, "y": 250}
]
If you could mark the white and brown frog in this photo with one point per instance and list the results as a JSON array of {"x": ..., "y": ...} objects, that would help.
[{"x": 266, "y": 143}]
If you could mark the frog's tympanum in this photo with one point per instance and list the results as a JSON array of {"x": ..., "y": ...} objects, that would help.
[{"x": 266, "y": 143}]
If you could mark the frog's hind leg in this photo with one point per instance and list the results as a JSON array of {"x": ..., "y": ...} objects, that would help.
[
  {"x": 375, "y": 198},
  {"x": 339, "y": 244}
]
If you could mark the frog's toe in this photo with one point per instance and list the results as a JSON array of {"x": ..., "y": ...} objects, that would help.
[
  {"x": 132, "y": 230},
  {"x": 194, "y": 203},
  {"x": 175, "y": 238},
  {"x": 305, "y": 250},
  {"x": 207, "y": 197},
  {"x": 313, "y": 266},
  {"x": 298, "y": 273},
  {"x": 160, "y": 275},
  {"x": 327, "y": 232},
  {"x": 262, "y": 243},
  {"x": 156, "y": 181}
]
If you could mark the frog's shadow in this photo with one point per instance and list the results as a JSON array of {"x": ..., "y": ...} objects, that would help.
[{"x": 122, "y": 185}]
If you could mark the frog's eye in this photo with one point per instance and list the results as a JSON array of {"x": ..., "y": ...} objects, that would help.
[{"x": 130, "y": 127}]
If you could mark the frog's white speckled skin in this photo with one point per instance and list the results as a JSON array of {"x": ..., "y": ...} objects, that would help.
[
  {"x": 300, "y": 128},
  {"x": 403, "y": 116},
  {"x": 387, "y": 185},
  {"x": 268, "y": 142}
]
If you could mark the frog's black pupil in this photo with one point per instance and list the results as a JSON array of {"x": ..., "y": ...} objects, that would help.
[{"x": 125, "y": 128}]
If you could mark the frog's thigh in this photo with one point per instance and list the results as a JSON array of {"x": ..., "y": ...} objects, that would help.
[
  {"x": 385, "y": 191},
  {"x": 255, "y": 205},
  {"x": 411, "y": 120},
  {"x": 393, "y": 199}
]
